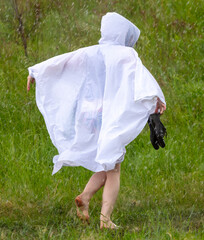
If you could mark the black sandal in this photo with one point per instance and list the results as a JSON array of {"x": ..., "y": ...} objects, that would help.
[{"x": 157, "y": 131}]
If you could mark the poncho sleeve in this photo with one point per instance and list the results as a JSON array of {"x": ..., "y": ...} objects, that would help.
[
  {"x": 146, "y": 87},
  {"x": 58, "y": 83}
]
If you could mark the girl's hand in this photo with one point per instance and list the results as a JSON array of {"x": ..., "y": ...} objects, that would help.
[
  {"x": 30, "y": 80},
  {"x": 160, "y": 106}
]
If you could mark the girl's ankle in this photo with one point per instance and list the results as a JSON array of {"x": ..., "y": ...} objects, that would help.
[{"x": 85, "y": 197}]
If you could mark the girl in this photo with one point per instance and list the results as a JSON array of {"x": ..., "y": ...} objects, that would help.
[{"x": 95, "y": 101}]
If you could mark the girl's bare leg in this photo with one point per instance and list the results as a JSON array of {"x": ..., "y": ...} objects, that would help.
[
  {"x": 110, "y": 193},
  {"x": 82, "y": 201}
]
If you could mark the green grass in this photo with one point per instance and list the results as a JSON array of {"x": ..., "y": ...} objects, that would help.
[{"x": 161, "y": 194}]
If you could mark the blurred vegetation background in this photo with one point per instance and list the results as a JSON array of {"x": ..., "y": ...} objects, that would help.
[{"x": 161, "y": 193}]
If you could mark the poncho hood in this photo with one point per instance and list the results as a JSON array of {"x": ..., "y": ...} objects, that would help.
[{"x": 117, "y": 30}]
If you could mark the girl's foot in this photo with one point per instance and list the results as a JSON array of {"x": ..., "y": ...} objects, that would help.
[
  {"x": 82, "y": 208},
  {"x": 107, "y": 223}
]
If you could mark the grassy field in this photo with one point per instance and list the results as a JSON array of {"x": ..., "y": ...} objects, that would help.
[{"x": 161, "y": 194}]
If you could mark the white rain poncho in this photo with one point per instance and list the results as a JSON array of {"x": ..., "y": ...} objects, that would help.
[{"x": 97, "y": 99}]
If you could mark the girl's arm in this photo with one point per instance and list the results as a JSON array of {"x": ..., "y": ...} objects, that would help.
[{"x": 30, "y": 80}]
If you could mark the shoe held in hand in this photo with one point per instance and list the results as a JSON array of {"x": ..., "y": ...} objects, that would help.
[{"x": 157, "y": 131}]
